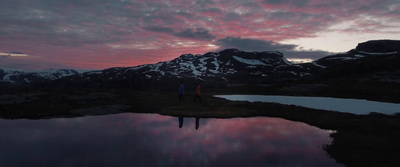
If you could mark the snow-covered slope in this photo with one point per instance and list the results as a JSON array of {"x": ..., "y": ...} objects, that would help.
[
  {"x": 228, "y": 65},
  {"x": 13, "y": 76}
]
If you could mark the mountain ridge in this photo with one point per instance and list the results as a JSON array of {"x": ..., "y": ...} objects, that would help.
[
  {"x": 19, "y": 77},
  {"x": 226, "y": 66}
]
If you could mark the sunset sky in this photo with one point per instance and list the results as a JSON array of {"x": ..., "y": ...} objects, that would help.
[{"x": 98, "y": 34}]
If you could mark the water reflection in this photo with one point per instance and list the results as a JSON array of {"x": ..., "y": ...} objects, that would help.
[
  {"x": 180, "y": 120},
  {"x": 153, "y": 140}
]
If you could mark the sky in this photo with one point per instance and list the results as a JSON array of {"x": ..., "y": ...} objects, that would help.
[{"x": 99, "y": 34}]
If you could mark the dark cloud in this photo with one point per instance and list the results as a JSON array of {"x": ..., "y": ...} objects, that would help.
[
  {"x": 298, "y": 3},
  {"x": 262, "y": 45},
  {"x": 64, "y": 23},
  {"x": 310, "y": 54},
  {"x": 204, "y": 2},
  {"x": 276, "y": 1},
  {"x": 198, "y": 33},
  {"x": 16, "y": 52},
  {"x": 28, "y": 62},
  {"x": 252, "y": 44},
  {"x": 159, "y": 29},
  {"x": 211, "y": 10}
]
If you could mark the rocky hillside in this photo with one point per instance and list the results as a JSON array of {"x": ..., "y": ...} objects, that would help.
[{"x": 373, "y": 59}]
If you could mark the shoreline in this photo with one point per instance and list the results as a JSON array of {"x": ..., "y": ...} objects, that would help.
[
  {"x": 360, "y": 140},
  {"x": 345, "y": 105}
]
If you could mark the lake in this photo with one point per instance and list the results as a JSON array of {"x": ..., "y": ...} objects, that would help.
[
  {"x": 130, "y": 139},
  {"x": 355, "y": 106}
]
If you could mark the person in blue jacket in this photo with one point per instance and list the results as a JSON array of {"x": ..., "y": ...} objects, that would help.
[{"x": 181, "y": 91}]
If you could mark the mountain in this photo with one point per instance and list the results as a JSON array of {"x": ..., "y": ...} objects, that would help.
[
  {"x": 20, "y": 77},
  {"x": 379, "y": 59},
  {"x": 215, "y": 68},
  {"x": 379, "y": 47},
  {"x": 228, "y": 65}
]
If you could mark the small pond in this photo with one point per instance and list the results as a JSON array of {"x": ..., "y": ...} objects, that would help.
[
  {"x": 355, "y": 106},
  {"x": 153, "y": 140}
]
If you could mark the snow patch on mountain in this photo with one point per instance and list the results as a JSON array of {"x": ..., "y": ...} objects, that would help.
[
  {"x": 316, "y": 64},
  {"x": 287, "y": 62},
  {"x": 249, "y": 61},
  {"x": 14, "y": 76},
  {"x": 94, "y": 72},
  {"x": 358, "y": 56},
  {"x": 216, "y": 64},
  {"x": 373, "y": 53}
]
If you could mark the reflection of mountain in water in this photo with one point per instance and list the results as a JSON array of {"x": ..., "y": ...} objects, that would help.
[{"x": 151, "y": 140}]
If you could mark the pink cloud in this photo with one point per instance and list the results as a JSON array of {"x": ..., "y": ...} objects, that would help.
[{"x": 87, "y": 29}]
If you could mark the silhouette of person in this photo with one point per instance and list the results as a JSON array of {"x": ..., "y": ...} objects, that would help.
[
  {"x": 180, "y": 92},
  {"x": 180, "y": 122},
  {"x": 197, "y": 94},
  {"x": 197, "y": 122}
]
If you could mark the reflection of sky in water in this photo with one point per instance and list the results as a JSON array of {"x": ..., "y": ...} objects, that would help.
[{"x": 153, "y": 140}]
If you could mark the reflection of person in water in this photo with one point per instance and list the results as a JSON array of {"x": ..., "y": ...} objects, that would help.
[
  {"x": 197, "y": 122},
  {"x": 180, "y": 122}
]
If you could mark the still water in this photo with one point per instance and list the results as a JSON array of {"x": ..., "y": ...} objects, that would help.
[
  {"x": 153, "y": 140},
  {"x": 355, "y": 106}
]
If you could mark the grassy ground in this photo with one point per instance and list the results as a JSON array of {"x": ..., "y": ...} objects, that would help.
[{"x": 368, "y": 140}]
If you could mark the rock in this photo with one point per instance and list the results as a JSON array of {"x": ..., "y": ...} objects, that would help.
[
  {"x": 8, "y": 99},
  {"x": 379, "y": 46}
]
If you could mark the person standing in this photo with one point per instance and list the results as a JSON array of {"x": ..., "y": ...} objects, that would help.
[
  {"x": 197, "y": 94},
  {"x": 180, "y": 92}
]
